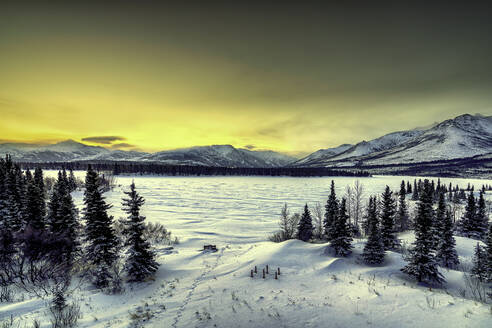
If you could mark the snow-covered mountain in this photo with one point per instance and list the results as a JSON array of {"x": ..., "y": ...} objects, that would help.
[
  {"x": 464, "y": 136},
  {"x": 216, "y": 155},
  {"x": 323, "y": 153},
  {"x": 220, "y": 155}
]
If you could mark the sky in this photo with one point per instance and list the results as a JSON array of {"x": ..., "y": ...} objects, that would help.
[{"x": 290, "y": 77}]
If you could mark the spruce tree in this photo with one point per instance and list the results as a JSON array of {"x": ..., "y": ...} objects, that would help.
[
  {"x": 482, "y": 218},
  {"x": 62, "y": 218},
  {"x": 402, "y": 218},
  {"x": 422, "y": 262},
  {"x": 101, "y": 241},
  {"x": 479, "y": 269},
  {"x": 35, "y": 204},
  {"x": 438, "y": 222},
  {"x": 470, "y": 225},
  {"x": 373, "y": 252},
  {"x": 141, "y": 262},
  {"x": 488, "y": 243},
  {"x": 305, "y": 227},
  {"x": 388, "y": 212},
  {"x": 7, "y": 242},
  {"x": 415, "y": 195},
  {"x": 72, "y": 183},
  {"x": 341, "y": 235},
  {"x": 446, "y": 251},
  {"x": 331, "y": 212}
]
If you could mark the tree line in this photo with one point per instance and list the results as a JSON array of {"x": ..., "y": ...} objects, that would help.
[{"x": 192, "y": 170}]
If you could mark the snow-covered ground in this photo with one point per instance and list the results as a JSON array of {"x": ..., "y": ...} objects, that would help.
[{"x": 195, "y": 289}]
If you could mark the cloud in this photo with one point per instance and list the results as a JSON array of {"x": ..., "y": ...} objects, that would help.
[
  {"x": 105, "y": 140},
  {"x": 122, "y": 145},
  {"x": 250, "y": 147}
]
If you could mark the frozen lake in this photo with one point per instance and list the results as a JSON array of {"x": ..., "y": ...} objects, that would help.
[{"x": 235, "y": 209}]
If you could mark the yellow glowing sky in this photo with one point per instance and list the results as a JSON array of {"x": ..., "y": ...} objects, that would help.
[{"x": 288, "y": 80}]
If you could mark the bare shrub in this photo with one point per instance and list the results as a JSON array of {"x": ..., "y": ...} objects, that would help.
[
  {"x": 288, "y": 225},
  {"x": 6, "y": 294},
  {"x": 64, "y": 315},
  {"x": 476, "y": 289},
  {"x": 154, "y": 233}
]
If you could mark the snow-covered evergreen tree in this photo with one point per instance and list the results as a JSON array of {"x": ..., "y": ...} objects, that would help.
[
  {"x": 415, "y": 194},
  {"x": 72, "y": 183},
  {"x": 438, "y": 222},
  {"x": 101, "y": 241},
  {"x": 402, "y": 217},
  {"x": 479, "y": 269},
  {"x": 472, "y": 224},
  {"x": 35, "y": 203},
  {"x": 388, "y": 211},
  {"x": 341, "y": 241},
  {"x": 482, "y": 218},
  {"x": 305, "y": 227},
  {"x": 422, "y": 262},
  {"x": 62, "y": 219},
  {"x": 141, "y": 262},
  {"x": 446, "y": 251},
  {"x": 488, "y": 243},
  {"x": 373, "y": 252},
  {"x": 331, "y": 212},
  {"x": 7, "y": 242}
]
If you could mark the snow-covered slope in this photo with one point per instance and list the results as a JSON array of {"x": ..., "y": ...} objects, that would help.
[
  {"x": 323, "y": 154},
  {"x": 216, "y": 155},
  {"x": 464, "y": 136},
  {"x": 220, "y": 155}
]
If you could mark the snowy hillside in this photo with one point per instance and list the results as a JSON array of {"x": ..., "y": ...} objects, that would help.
[
  {"x": 220, "y": 155},
  {"x": 217, "y": 155},
  {"x": 323, "y": 154},
  {"x": 195, "y": 289},
  {"x": 463, "y": 136}
]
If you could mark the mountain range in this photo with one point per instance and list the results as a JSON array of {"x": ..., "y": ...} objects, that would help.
[{"x": 462, "y": 137}]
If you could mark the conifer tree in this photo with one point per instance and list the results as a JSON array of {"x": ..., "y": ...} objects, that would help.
[
  {"x": 482, "y": 218},
  {"x": 422, "y": 262},
  {"x": 35, "y": 203},
  {"x": 438, "y": 222},
  {"x": 415, "y": 195},
  {"x": 388, "y": 212},
  {"x": 446, "y": 252},
  {"x": 409, "y": 187},
  {"x": 479, "y": 269},
  {"x": 305, "y": 227},
  {"x": 101, "y": 249},
  {"x": 373, "y": 252},
  {"x": 331, "y": 212},
  {"x": 470, "y": 225},
  {"x": 488, "y": 243},
  {"x": 7, "y": 242},
  {"x": 402, "y": 218},
  {"x": 72, "y": 183},
  {"x": 62, "y": 218},
  {"x": 341, "y": 236},
  {"x": 141, "y": 262}
]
